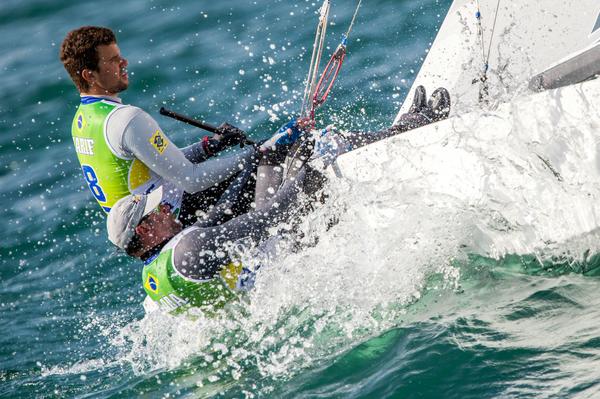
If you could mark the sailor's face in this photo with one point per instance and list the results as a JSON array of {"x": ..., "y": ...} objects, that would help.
[
  {"x": 111, "y": 77},
  {"x": 158, "y": 227}
]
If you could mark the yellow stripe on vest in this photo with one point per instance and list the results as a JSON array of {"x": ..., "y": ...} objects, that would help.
[{"x": 231, "y": 273}]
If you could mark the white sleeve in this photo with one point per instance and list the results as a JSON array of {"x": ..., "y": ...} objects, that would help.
[
  {"x": 116, "y": 126},
  {"x": 144, "y": 139},
  {"x": 116, "y": 123}
]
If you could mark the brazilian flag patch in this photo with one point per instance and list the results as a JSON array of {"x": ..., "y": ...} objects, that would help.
[
  {"x": 80, "y": 120},
  {"x": 159, "y": 142},
  {"x": 151, "y": 283}
]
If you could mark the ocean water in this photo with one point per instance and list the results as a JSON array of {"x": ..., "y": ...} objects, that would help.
[{"x": 387, "y": 304}]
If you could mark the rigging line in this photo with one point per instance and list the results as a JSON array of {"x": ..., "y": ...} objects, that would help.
[
  {"x": 316, "y": 54},
  {"x": 332, "y": 69},
  {"x": 310, "y": 68},
  {"x": 314, "y": 77},
  {"x": 353, "y": 19},
  {"x": 484, "y": 90},
  {"x": 318, "y": 92},
  {"x": 480, "y": 31},
  {"x": 321, "y": 46},
  {"x": 487, "y": 61}
]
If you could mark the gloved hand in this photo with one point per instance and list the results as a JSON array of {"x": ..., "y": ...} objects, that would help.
[
  {"x": 226, "y": 136},
  {"x": 330, "y": 144},
  {"x": 288, "y": 134},
  {"x": 229, "y": 135},
  {"x": 423, "y": 112},
  {"x": 306, "y": 124},
  {"x": 211, "y": 146}
]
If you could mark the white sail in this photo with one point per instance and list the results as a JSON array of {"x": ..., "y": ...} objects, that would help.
[{"x": 527, "y": 38}]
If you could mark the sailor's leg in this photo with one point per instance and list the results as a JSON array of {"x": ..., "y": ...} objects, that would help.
[
  {"x": 268, "y": 180},
  {"x": 421, "y": 113},
  {"x": 297, "y": 161},
  {"x": 270, "y": 172},
  {"x": 199, "y": 203},
  {"x": 234, "y": 195}
]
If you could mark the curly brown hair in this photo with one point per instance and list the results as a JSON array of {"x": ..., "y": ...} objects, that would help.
[{"x": 79, "y": 51}]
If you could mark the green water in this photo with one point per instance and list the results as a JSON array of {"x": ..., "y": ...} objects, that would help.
[{"x": 72, "y": 320}]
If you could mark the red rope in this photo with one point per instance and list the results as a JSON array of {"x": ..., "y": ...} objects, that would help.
[{"x": 328, "y": 77}]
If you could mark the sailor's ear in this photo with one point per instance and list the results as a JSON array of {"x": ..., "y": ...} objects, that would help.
[
  {"x": 141, "y": 229},
  {"x": 88, "y": 76}
]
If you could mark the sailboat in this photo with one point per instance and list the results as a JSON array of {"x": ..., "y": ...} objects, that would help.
[{"x": 521, "y": 147}]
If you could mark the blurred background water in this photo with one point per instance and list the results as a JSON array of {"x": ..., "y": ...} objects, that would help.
[{"x": 72, "y": 320}]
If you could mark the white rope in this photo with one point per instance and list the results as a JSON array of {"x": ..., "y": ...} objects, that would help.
[{"x": 316, "y": 57}]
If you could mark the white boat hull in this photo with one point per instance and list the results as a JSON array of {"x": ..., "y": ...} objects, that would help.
[{"x": 528, "y": 172}]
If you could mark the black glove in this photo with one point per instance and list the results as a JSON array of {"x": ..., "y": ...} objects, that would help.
[
  {"x": 229, "y": 135},
  {"x": 226, "y": 136},
  {"x": 211, "y": 146}
]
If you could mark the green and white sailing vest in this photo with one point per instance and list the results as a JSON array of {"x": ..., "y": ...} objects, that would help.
[
  {"x": 176, "y": 293},
  {"x": 109, "y": 176}
]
